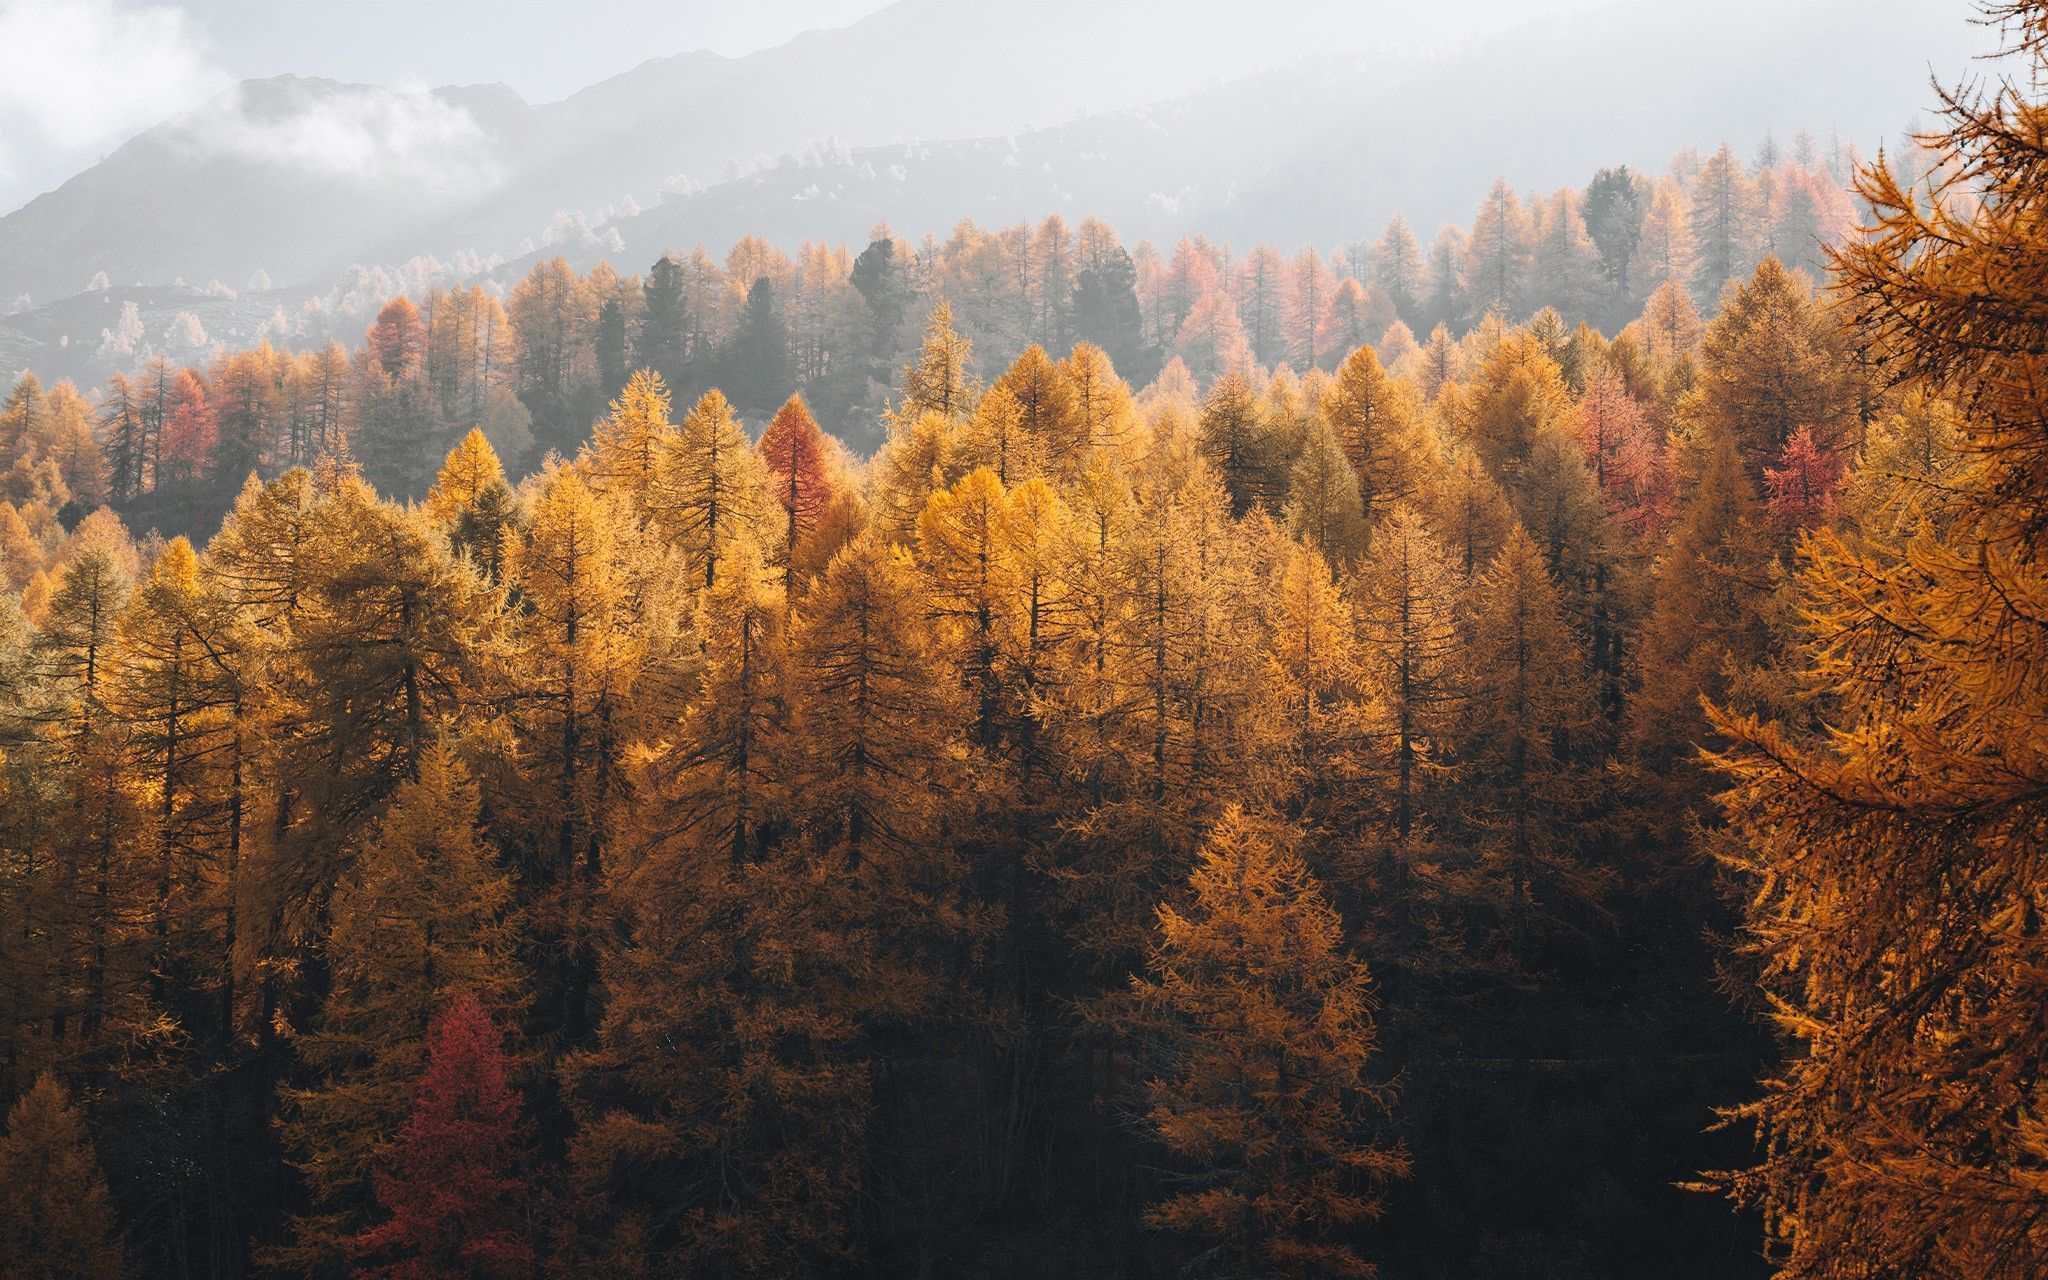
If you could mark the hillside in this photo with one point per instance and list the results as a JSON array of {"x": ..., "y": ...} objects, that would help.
[{"x": 299, "y": 178}]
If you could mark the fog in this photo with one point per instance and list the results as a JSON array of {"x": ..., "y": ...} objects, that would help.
[{"x": 300, "y": 139}]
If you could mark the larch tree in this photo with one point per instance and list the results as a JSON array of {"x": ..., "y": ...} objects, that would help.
[
  {"x": 960, "y": 544},
  {"x": 1323, "y": 505},
  {"x": 1258, "y": 1039},
  {"x": 1708, "y": 619},
  {"x": 1046, "y": 412},
  {"x": 1258, "y": 288},
  {"x": 1309, "y": 288},
  {"x": 1319, "y": 713},
  {"x": 723, "y": 1107},
  {"x": 179, "y": 686},
  {"x": 1466, "y": 510},
  {"x": 1893, "y": 859},
  {"x": 1801, "y": 488},
  {"x": 1669, "y": 327},
  {"x": 1212, "y": 340},
  {"x": 577, "y": 655},
  {"x": 74, "y": 659},
  {"x": 1397, "y": 267},
  {"x": 874, "y": 724},
  {"x": 802, "y": 477},
  {"x": 719, "y": 486},
  {"x": 717, "y": 786},
  {"x": 189, "y": 434},
  {"x": 1391, "y": 862},
  {"x": 1102, "y": 404},
  {"x": 1374, "y": 417},
  {"x": 455, "y": 1182},
  {"x": 996, "y": 438},
  {"x": 1353, "y": 317},
  {"x": 630, "y": 446},
  {"x": 424, "y": 915},
  {"x": 1726, "y": 222},
  {"x": 919, "y": 459},
  {"x": 387, "y": 631},
  {"x": 1500, "y": 253},
  {"x": 1664, "y": 247},
  {"x": 472, "y": 503},
  {"x": 726, "y": 1055},
  {"x": 56, "y": 1220},
  {"x": 1238, "y": 441},
  {"x": 1524, "y": 741},
  {"x": 1773, "y": 360},
  {"x": 937, "y": 381},
  {"x": 397, "y": 339},
  {"x": 1408, "y": 597}
]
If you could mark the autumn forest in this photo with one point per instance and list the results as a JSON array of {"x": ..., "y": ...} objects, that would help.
[{"x": 1021, "y": 755}]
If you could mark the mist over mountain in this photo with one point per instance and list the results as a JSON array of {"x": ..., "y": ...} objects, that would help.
[{"x": 932, "y": 110}]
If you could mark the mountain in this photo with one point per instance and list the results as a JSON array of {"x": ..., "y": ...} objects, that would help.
[
  {"x": 300, "y": 177},
  {"x": 929, "y": 106},
  {"x": 1327, "y": 150},
  {"x": 289, "y": 176}
]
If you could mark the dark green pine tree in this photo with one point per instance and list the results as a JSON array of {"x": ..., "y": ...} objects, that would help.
[
  {"x": 1106, "y": 314},
  {"x": 757, "y": 363},
  {"x": 1615, "y": 203},
  {"x": 612, "y": 365},
  {"x": 663, "y": 340},
  {"x": 883, "y": 282}
]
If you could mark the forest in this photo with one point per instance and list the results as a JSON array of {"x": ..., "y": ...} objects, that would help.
[{"x": 1018, "y": 757}]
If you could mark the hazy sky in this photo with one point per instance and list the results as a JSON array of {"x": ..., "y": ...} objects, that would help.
[
  {"x": 78, "y": 77},
  {"x": 546, "y": 49}
]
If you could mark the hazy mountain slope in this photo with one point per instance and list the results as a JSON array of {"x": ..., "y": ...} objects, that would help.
[
  {"x": 1329, "y": 151},
  {"x": 1633, "y": 83},
  {"x": 227, "y": 190},
  {"x": 298, "y": 177}
]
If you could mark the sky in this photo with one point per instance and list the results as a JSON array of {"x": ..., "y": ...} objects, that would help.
[{"x": 78, "y": 77}]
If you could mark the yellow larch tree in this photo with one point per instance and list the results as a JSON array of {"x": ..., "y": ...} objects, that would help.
[
  {"x": 424, "y": 913},
  {"x": 717, "y": 484},
  {"x": 1893, "y": 859},
  {"x": 1258, "y": 1035}
]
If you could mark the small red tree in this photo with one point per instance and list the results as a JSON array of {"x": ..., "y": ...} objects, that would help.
[
  {"x": 1625, "y": 451},
  {"x": 191, "y": 429},
  {"x": 799, "y": 472},
  {"x": 1803, "y": 484},
  {"x": 455, "y": 1182}
]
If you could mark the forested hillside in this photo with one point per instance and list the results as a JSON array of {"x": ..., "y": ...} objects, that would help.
[
  {"x": 534, "y": 358},
  {"x": 1187, "y": 777}
]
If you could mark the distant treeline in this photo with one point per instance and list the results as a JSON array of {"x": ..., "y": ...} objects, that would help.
[{"x": 535, "y": 365}]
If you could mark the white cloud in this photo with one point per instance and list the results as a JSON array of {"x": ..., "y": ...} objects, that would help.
[
  {"x": 351, "y": 131},
  {"x": 84, "y": 73}
]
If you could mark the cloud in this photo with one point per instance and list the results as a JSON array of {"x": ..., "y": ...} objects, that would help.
[
  {"x": 83, "y": 73},
  {"x": 352, "y": 131}
]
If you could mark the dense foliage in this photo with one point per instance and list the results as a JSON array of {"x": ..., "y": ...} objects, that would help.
[{"x": 1249, "y": 825}]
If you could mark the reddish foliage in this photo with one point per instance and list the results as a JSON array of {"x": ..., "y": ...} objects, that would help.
[
  {"x": 454, "y": 1181},
  {"x": 190, "y": 429},
  {"x": 1627, "y": 456},
  {"x": 793, "y": 447},
  {"x": 1803, "y": 484}
]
